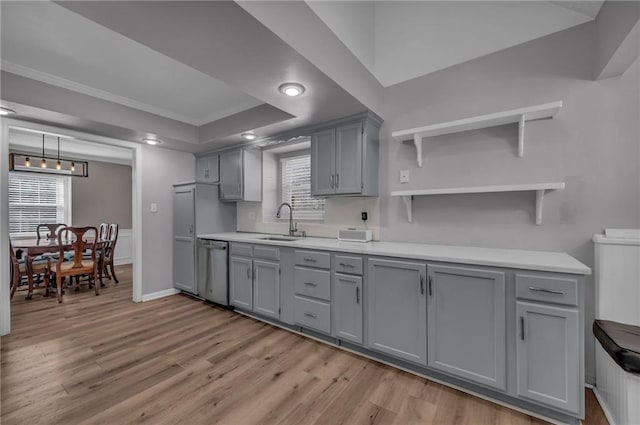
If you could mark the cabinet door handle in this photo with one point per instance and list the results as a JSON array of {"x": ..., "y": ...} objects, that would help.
[
  {"x": 249, "y": 273},
  {"x": 206, "y": 173},
  {"x": 546, "y": 291},
  {"x": 313, "y": 260},
  {"x": 347, "y": 265},
  {"x": 337, "y": 180},
  {"x": 238, "y": 187},
  {"x": 357, "y": 295},
  {"x": 313, "y": 316},
  {"x": 332, "y": 180},
  {"x": 522, "y": 328},
  {"x": 421, "y": 284},
  {"x": 310, "y": 284},
  {"x": 430, "y": 286}
]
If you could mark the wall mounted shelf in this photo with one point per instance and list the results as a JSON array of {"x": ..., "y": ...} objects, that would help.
[
  {"x": 520, "y": 116},
  {"x": 540, "y": 189}
]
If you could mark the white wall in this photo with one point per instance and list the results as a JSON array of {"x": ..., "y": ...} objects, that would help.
[
  {"x": 161, "y": 168},
  {"x": 592, "y": 144}
]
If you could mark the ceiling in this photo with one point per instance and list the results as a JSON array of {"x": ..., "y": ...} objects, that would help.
[
  {"x": 397, "y": 41},
  {"x": 197, "y": 74}
]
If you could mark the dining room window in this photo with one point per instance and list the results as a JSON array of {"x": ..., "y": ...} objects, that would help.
[
  {"x": 296, "y": 188},
  {"x": 35, "y": 199}
]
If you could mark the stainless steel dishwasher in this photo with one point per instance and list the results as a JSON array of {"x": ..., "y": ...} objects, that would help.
[{"x": 212, "y": 271}]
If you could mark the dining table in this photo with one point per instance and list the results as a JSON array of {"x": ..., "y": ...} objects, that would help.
[{"x": 33, "y": 248}]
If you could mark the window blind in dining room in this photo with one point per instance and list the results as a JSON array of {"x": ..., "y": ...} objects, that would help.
[
  {"x": 35, "y": 199},
  {"x": 296, "y": 188}
]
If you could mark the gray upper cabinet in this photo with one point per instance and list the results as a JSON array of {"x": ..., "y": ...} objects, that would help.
[
  {"x": 266, "y": 288},
  {"x": 397, "y": 314},
  {"x": 344, "y": 159},
  {"x": 207, "y": 169},
  {"x": 241, "y": 175},
  {"x": 184, "y": 239},
  {"x": 348, "y": 307},
  {"x": 548, "y": 355},
  {"x": 241, "y": 282},
  {"x": 466, "y": 323},
  {"x": 323, "y": 167}
]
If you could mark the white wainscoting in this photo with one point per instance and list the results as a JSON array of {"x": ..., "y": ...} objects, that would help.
[{"x": 124, "y": 247}]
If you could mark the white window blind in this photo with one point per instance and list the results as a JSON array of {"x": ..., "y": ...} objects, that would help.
[
  {"x": 36, "y": 199},
  {"x": 296, "y": 188}
]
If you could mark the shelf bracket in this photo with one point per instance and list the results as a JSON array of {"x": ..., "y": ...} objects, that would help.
[
  {"x": 539, "y": 200},
  {"x": 408, "y": 202},
  {"x": 521, "y": 136},
  {"x": 417, "y": 141}
]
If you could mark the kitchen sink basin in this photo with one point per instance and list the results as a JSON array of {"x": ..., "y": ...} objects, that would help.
[{"x": 279, "y": 238}]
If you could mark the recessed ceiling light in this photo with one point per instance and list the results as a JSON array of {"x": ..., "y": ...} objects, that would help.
[
  {"x": 291, "y": 89},
  {"x": 6, "y": 111},
  {"x": 249, "y": 136},
  {"x": 150, "y": 141}
]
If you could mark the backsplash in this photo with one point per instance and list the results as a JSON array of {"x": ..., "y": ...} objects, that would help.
[{"x": 340, "y": 213}]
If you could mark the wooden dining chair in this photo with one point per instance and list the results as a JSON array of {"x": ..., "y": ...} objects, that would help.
[
  {"x": 48, "y": 231},
  {"x": 108, "y": 252},
  {"x": 103, "y": 231},
  {"x": 19, "y": 270},
  {"x": 84, "y": 238}
]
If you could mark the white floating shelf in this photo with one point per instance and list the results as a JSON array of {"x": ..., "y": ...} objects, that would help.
[
  {"x": 520, "y": 116},
  {"x": 539, "y": 188}
]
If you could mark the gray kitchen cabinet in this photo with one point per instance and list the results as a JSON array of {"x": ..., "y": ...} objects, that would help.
[
  {"x": 345, "y": 157},
  {"x": 207, "y": 169},
  {"x": 266, "y": 288},
  {"x": 347, "y": 306},
  {"x": 241, "y": 282},
  {"x": 397, "y": 313},
  {"x": 323, "y": 152},
  {"x": 548, "y": 355},
  {"x": 241, "y": 175},
  {"x": 466, "y": 323},
  {"x": 184, "y": 238}
]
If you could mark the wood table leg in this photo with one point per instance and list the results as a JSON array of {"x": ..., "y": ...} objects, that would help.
[{"x": 29, "y": 270}]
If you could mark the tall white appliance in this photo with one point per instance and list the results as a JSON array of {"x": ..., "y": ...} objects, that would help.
[{"x": 196, "y": 210}]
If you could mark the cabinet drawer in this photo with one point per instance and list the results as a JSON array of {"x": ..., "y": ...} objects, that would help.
[
  {"x": 548, "y": 289},
  {"x": 313, "y": 283},
  {"x": 321, "y": 260},
  {"x": 266, "y": 252},
  {"x": 312, "y": 314},
  {"x": 242, "y": 249},
  {"x": 349, "y": 265}
]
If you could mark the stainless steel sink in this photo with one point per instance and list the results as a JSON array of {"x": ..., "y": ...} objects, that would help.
[{"x": 279, "y": 238}]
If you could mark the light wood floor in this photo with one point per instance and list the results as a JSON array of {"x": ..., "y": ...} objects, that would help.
[{"x": 106, "y": 360}]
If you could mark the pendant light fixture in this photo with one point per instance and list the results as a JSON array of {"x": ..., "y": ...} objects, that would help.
[{"x": 63, "y": 166}]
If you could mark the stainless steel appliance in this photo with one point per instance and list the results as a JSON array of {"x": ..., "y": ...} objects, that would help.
[{"x": 212, "y": 271}]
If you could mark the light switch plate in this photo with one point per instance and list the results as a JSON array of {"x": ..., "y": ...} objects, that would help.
[
  {"x": 153, "y": 207},
  {"x": 404, "y": 176}
]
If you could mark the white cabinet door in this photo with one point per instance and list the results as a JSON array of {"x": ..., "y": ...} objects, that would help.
[
  {"x": 231, "y": 173},
  {"x": 266, "y": 289},
  {"x": 397, "y": 315},
  {"x": 347, "y": 304},
  {"x": 323, "y": 167},
  {"x": 241, "y": 282},
  {"x": 348, "y": 178},
  {"x": 467, "y": 324},
  {"x": 184, "y": 242},
  {"x": 548, "y": 355}
]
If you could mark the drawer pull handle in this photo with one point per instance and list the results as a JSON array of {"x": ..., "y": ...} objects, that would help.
[
  {"x": 313, "y": 316},
  {"x": 351, "y": 266},
  {"x": 313, "y": 260},
  {"x": 546, "y": 291},
  {"x": 310, "y": 284}
]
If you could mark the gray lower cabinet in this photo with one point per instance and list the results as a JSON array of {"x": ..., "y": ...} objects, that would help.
[
  {"x": 266, "y": 288},
  {"x": 397, "y": 313},
  {"x": 241, "y": 282},
  {"x": 347, "y": 306},
  {"x": 548, "y": 355},
  {"x": 466, "y": 323}
]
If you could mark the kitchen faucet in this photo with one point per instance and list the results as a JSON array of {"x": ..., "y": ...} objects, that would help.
[{"x": 292, "y": 229}]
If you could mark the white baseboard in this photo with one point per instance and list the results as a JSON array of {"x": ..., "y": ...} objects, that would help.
[
  {"x": 603, "y": 405},
  {"x": 160, "y": 294}
]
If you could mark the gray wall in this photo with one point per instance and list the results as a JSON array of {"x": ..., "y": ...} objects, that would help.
[
  {"x": 592, "y": 145},
  {"x": 105, "y": 196}
]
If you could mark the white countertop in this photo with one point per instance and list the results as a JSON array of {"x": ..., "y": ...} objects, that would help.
[{"x": 509, "y": 258}]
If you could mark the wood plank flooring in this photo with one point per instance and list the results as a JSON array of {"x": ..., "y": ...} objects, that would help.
[{"x": 107, "y": 360}]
